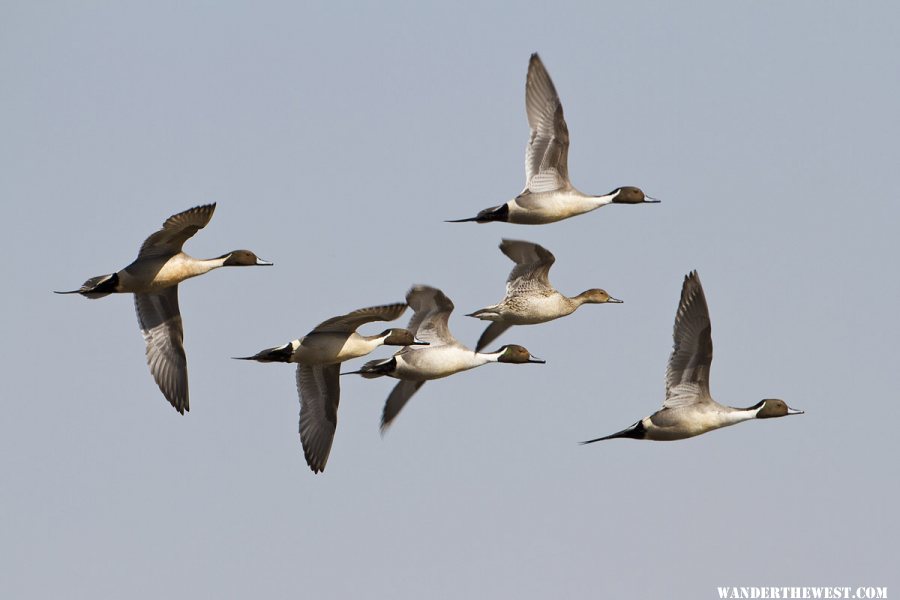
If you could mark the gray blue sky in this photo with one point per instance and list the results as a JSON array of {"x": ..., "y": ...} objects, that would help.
[{"x": 336, "y": 139}]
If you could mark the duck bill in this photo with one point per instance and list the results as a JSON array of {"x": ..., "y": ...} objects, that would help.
[
  {"x": 263, "y": 263},
  {"x": 536, "y": 361},
  {"x": 794, "y": 411},
  {"x": 615, "y": 300},
  {"x": 651, "y": 199},
  {"x": 418, "y": 342}
]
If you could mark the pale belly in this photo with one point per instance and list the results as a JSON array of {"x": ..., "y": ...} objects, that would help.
[
  {"x": 677, "y": 424},
  {"x": 148, "y": 276},
  {"x": 434, "y": 363},
  {"x": 530, "y": 310},
  {"x": 326, "y": 348},
  {"x": 537, "y": 209}
]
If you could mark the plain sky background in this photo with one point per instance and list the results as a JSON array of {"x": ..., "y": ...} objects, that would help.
[{"x": 336, "y": 138}]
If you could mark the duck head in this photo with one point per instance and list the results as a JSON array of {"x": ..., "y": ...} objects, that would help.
[
  {"x": 400, "y": 337},
  {"x": 597, "y": 296},
  {"x": 631, "y": 195},
  {"x": 773, "y": 407},
  {"x": 513, "y": 353},
  {"x": 243, "y": 258}
]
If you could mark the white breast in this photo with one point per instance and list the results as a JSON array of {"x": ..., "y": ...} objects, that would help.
[
  {"x": 325, "y": 348},
  {"x": 436, "y": 362}
]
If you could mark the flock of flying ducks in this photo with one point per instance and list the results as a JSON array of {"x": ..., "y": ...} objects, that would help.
[{"x": 428, "y": 348}]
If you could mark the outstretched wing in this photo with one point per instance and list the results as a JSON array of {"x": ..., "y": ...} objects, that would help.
[
  {"x": 320, "y": 394},
  {"x": 491, "y": 333},
  {"x": 176, "y": 231},
  {"x": 431, "y": 312},
  {"x": 532, "y": 268},
  {"x": 160, "y": 323},
  {"x": 351, "y": 321},
  {"x": 687, "y": 375},
  {"x": 546, "y": 158},
  {"x": 400, "y": 395}
]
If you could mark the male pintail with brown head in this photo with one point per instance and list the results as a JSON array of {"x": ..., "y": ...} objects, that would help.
[
  {"x": 549, "y": 195},
  {"x": 153, "y": 278}
]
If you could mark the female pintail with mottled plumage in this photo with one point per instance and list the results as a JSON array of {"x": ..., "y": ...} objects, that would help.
[
  {"x": 530, "y": 298},
  {"x": 319, "y": 355},
  {"x": 549, "y": 195},
  {"x": 153, "y": 278},
  {"x": 443, "y": 356},
  {"x": 688, "y": 409}
]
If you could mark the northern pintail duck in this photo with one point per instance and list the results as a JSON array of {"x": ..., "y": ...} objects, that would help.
[
  {"x": 548, "y": 195},
  {"x": 153, "y": 278},
  {"x": 443, "y": 356},
  {"x": 530, "y": 298},
  {"x": 688, "y": 409},
  {"x": 319, "y": 355}
]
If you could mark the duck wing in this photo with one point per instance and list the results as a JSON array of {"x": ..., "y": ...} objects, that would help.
[
  {"x": 431, "y": 312},
  {"x": 351, "y": 321},
  {"x": 160, "y": 322},
  {"x": 687, "y": 374},
  {"x": 398, "y": 398},
  {"x": 546, "y": 157},
  {"x": 176, "y": 231},
  {"x": 491, "y": 333},
  {"x": 320, "y": 393},
  {"x": 532, "y": 270}
]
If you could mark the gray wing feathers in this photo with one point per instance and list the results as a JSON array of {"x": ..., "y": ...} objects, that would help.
[
  {"x": 687, "y": 375},
  {"x": 400, "y": 395},
  {"x": 351, "y": 321},
  {"x": 176, "y": 231},
  {"x": 533, "y": 264},
  {"x": 546, "y": 158},
  {"x": 431, "y": 313},
  {"x": 160, "y": 323},
  {"x": 491, "y": 333},
  {"x": 320, "y": 394}
]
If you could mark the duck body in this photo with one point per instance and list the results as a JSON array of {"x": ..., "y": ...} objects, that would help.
[
  {"x": 330, "y": 347},
  {"x": 426, "y": 364},
  {"x": 540, "y": 208},
  {"x": 154, "y": 274},
  {"x": 322, "y": 348},
  {"x": 685, "y": 422},
  {"x": 529, "y": 309}
]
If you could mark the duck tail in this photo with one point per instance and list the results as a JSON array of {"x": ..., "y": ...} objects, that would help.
[
  {"x": 97, "y": 287},
  {"x": 635, "y": 432},
  {"x": 277, "y": 354},
  {"x": 494, "y": 213},
  {"x": 375, "y": 368}
]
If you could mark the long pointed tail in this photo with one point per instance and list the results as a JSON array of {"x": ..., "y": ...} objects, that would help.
[
  {"x": 97, "y": 287},
  {"x": 469, "y": 220},
  {"x": 276, "y": 354},
  {"x": 635, "y": 432},
  {"x": 375, "y": 368},
  {"x": 494, "y": 213}
]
